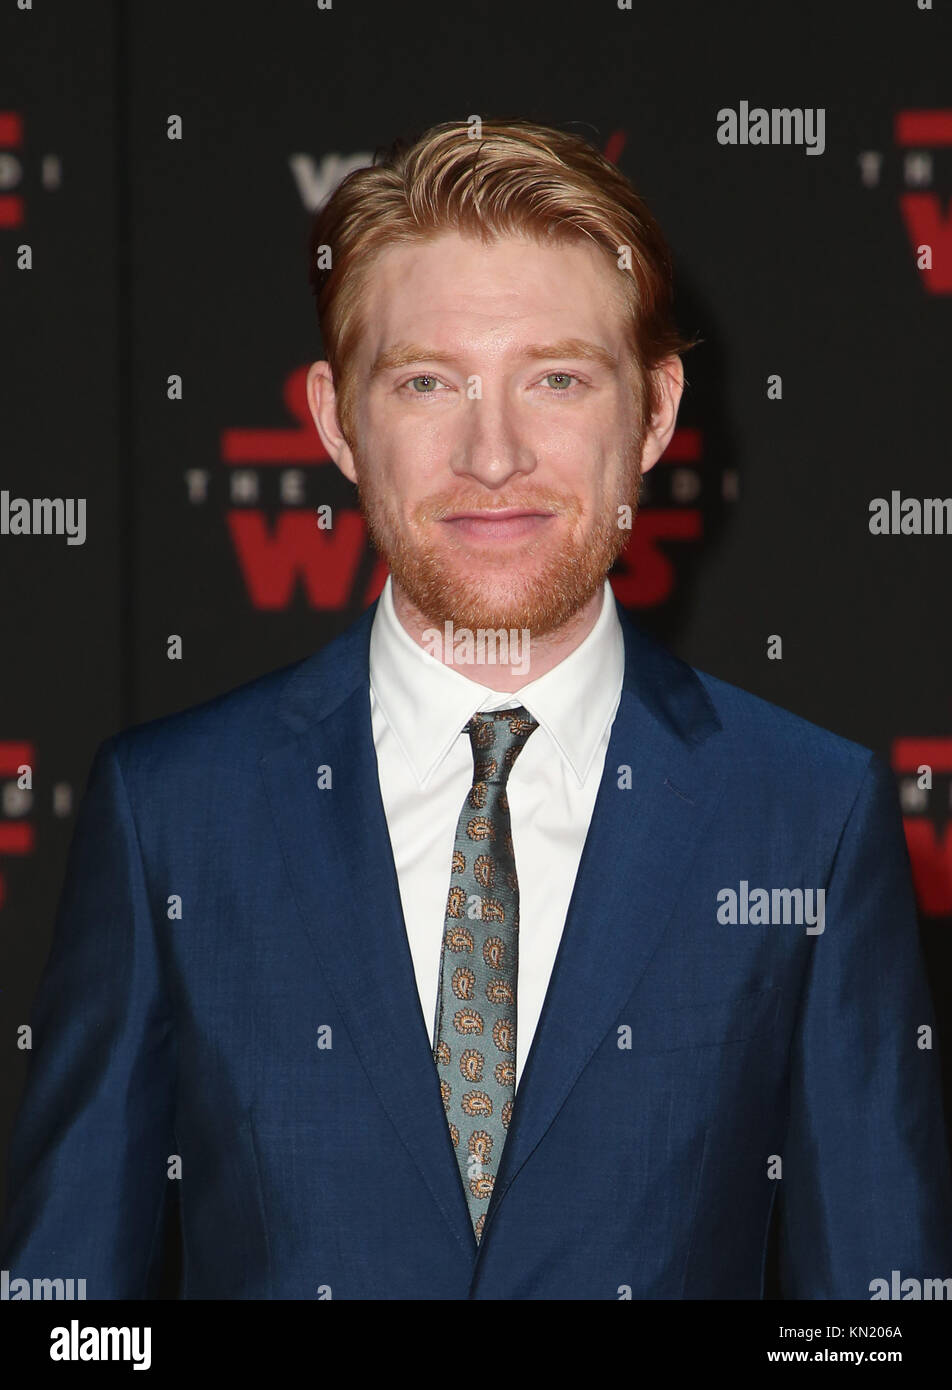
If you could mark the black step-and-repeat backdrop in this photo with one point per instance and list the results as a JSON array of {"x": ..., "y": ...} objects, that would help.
[{"x": 158, "y": 168}]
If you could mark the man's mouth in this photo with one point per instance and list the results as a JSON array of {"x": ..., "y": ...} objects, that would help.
[{"x": 511, "y": 523}]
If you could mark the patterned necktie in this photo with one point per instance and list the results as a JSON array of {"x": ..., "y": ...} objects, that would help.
[{"x": 475, "y": 1030}]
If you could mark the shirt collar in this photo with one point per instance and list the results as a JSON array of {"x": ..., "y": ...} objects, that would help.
[{"x": 428, "y": 704}]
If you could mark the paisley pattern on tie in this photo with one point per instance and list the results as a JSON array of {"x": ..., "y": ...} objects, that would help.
[{"x": 475, "y": 1031}]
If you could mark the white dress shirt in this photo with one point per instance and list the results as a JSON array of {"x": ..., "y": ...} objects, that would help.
[{"x": 419, "y": 709}]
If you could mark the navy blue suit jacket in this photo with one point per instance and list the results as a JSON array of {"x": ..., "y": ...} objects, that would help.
[{"x": 686, "y": 1074}]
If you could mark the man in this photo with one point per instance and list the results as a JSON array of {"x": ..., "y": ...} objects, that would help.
[{"x": 436, "y": 978}]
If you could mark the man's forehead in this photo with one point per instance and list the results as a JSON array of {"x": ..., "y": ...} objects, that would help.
[
  {"x": 501, "y": 264},
  {"x": 438, "y": 293}
]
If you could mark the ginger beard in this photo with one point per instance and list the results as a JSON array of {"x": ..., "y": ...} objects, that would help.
[{"x": 537, "y": 584}]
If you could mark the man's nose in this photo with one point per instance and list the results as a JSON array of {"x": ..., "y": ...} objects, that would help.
[{"x": 493, "y": 443}]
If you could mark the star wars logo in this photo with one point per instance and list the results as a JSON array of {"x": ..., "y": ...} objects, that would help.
[
  {"x": 12, "y": 210},
  {"x": 924, "y": 769},
  {"x": 277, "y": 479},
  {"x": 17, "y": 833},
  {"x": 13, "y": 170},
  {"x": 924, "y": 139}
]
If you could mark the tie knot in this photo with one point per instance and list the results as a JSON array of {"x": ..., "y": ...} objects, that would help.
[{"x": 498, "y": 736}]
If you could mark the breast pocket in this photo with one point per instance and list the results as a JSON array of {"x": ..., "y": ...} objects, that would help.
[{"x": 703, "y": 1023}]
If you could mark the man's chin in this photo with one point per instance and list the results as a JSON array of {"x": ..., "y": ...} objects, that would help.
[{"x": 538, "y": 603}]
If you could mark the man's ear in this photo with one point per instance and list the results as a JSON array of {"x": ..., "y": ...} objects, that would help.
[
  {"x": 322, "y": 401},
  {"x": 669, "y": 380}
]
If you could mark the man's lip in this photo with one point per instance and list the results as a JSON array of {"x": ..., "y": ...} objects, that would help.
[
  {"x": 497, "y": 527},
  {"x": 505, "y": 515}
]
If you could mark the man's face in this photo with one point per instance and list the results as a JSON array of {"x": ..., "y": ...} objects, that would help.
[{"x": 496, "y": 427}]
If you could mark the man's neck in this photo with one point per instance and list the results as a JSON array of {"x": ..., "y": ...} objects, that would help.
[{"x": 527, "y": 659}]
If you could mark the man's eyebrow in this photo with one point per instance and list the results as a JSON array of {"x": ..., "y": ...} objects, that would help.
[{"x": 403, "y": 354}]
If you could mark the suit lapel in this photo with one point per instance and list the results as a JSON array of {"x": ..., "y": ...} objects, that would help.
[
  {"x": 338, "y": 857},
  {"x": 637, "y": 854}
]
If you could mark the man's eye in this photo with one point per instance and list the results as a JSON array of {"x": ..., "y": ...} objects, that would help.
[
  {"x": 422, "y": 390},
  {"x": 561, "y": 378}
]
